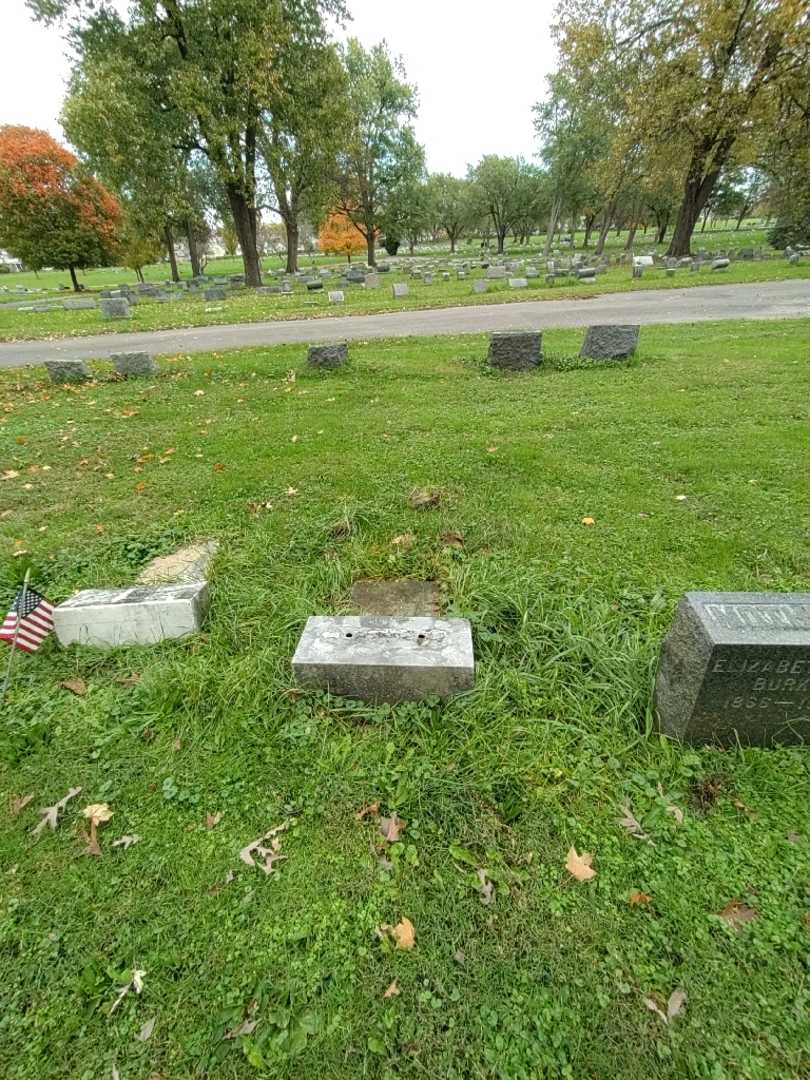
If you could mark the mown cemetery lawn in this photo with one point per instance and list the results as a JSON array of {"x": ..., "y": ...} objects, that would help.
[{"x": 575, "y": 507}]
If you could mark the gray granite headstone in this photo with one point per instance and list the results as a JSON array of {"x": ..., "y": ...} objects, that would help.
[
  {"x": 337, "y": 296},
  {"x": 114, "y": 307},
  {"x": 399, "y": 290},
  {"x": 133, "y": 364},
  {"x": 721, "y": 264},
  {"x": 79, "y": 304},
  {"x": 610, "y": 342},
  {"x": 328, "y": 356},
  {"x": 68, "y": 371},
  {"x": 515, "y": 350},
  {"x": 216, "y": 292},
  {"x": 480, "y": 286},
  {"x": 735, "y": 667}
]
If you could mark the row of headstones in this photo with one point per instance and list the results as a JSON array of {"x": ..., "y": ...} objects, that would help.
[
  {"x": 513, "y": 350},
  {"x": 127, "y": 364}
]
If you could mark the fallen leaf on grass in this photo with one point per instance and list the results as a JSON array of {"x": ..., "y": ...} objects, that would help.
[
  {"x": 219, "y": 467},
  {"x": 17, "y": 803},
  {"x": 588, "y": 521},
  {"x": 736, "y": 914},
  {"x": 127, "y": 680},
  {"x": 452, "y": 539},
  {"x": 637, "y": 898},
  {"x": 211, "y": 820},
  {"x": 492, "y": 449},
  {"x": 404, "y": 934},
  {"x": 392, "y": 991},
  {"x": 486, "y": 889},
  {"x": 126, "y": 842},
  {"x": 424, "y": 499},
  {"x": 632, "y": 825},
  {"x": 96, "y": 814},
  {"x": 372, "y": 808},
  {"x": 391, "y": 828},
  {"x": 271, "y": 855},
  {"x": 75, "y": 686},
  {"x": 404, "y": 541},
  {"x": 145, "y": 1034},
  {"x": 793, "y": 837},
  {"x": 247, "y": 1027},
  {"x": 676, "y": 812},
  {"x": 675, "y": 1006},
  {"x": 50, "y": 814},
  {"x": 199, "y": 393},
  {"x": 579, "y": 866},
  {"x": 291, "y": 491},
  {"x": 135, "y": 985}
]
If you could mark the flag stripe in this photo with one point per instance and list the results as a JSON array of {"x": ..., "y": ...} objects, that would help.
[{"x": 29, "y": 622}]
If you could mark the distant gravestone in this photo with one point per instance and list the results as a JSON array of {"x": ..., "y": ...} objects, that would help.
[
  {"x": 480, "y": 286},
  {"x": 337, "y": 296},
  {"x": 385, "y": 659},
  {"x": 79, "y": 304},
  {"x": 609, "y": 342},
  {"x": 314, "y": 284},
  {"x": 372, "y": 281},
  {"x": 399, "y": 290},
  {"x": 586, "y": 272},
  {"x": 794, "y": 259},
  {"x": 114, "y": 307},
  {"x": 735, "y": 667},
  {"x": 68, "y": 371},
  {"x": 518, "y": 283},
  {"x": 721, "y": 264},
  {"x": 495, "y": 273},
  {"x": 134, "y": 364},
  {"x": 216, "y": 292},
  {"x": 638, "y": 271},
  {"x": 328, "y": 356},
  {"x": 515, "y": 350},
  {"x": 427, "y": 279}
]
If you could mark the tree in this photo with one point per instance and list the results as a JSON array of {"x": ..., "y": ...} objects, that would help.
[
  {"x": 498, "y": 189},
  {"x": 52, "y": 213},
  {"x": 450, "y": 205},
  {"x": 340, "y": 236},
  {"x": 380, "y": 151},
  {"x": 302, "y": 137},
  {"x": 408, "y": 212},
  {"x": 138, "y": 245},
  {"x": 210, "y": 70}
]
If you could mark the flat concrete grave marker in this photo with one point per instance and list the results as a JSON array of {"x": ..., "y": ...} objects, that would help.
[
  {"x": 515, "y": 350},
  {"x": 68, "y": 371},
  {"x": 736, "y": 667},
  {"x": 399, "y": 290},
  {"x": 133, "y": 364},
  {"x": 182, "y": 567},
  {"x": 140, "y": 615},
  {"x": 385, "y": 659},
  {"x": 518, "y": 282},
  {"x": 328, "y": 356},
  {"x": 610, "y": 342},
  {"x": 403, "y": 597}
]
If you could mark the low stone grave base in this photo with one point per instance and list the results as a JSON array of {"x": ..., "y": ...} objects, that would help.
[{"x": 143, "y": 615}]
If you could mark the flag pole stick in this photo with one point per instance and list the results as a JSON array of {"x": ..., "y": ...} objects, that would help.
[{"x": 20, "y": 608}]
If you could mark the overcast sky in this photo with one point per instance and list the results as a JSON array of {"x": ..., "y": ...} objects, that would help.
[{"x": 479, "y": 67}]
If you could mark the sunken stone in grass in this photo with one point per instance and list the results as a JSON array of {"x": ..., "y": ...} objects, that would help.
[
  {"x": 134, "y": 364},
  {"x": 68, "y": 371},
  {"x": 515, "y": 350},
  {"x": 610, "y": 342},
  {"x": 328, "y": 357},
  {"x": 735, "y": 668}
]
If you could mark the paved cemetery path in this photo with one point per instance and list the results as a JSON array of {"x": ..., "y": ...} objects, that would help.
[{"x": 704, "y": 303}]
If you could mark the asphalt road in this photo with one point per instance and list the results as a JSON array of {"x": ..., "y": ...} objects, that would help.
[{"x": 706, "y": 303}]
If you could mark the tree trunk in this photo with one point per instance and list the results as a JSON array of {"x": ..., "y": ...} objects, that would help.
[
  {"x": 371, "y": 257},
  {"x": 501, "y": 240},
  {"x": 74, "y": 279},
  {"x": 167, "y": 236},
  {"x": 411, "y": 246},
  {"x": 553, "y": 221},
  {"x": 244, "y": 220},
  {"x": 743, "y": 213},
  {"x": 139, "y": 274},
  {"x": 589, "y": 220},
  {"x": 193, "y": 250},
  {"x": 698, "y": 188},
  {"x": 631, "y": 236},
  {"x": 452, "y": 238},
  {"x": 291, "y": 227},
  {"x": 662, "y": 230},
  {"x": 609, "y": 211}
]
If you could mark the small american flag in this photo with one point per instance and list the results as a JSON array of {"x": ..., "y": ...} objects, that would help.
[{"x": 35, "y": 617}]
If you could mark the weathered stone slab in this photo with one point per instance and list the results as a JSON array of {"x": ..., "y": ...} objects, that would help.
[
  {"x": 480, "y": 286},
  {"x": 337, "y": 296},
  {"x": 384, "y": 659},
  {"x": 79, "y": 303},
  {"x": 721, "y": 264},
  {"x": 399, "y": 290},
  {"x": 402, "y": 597},
  {"x": 216, "y": 292},
  {"x": 314, "y": 285},
  {"x": 133, "y": 364},
  {"x": 518, "y": 283},
  {"x": 372, "y": 281},
  {"x": 515, "y": 350},
  {"x": 328, "y": 356},
  {"x": 184, "y": 566},
  {"x": 143, "y": 615},
  {"x": 495, "y": 273},
  {"x": 114, "y": 307},
  {"x": 68, "y": 371},
  {"x": 609, "y": 342},
  {"x": 735, "y": 667}
]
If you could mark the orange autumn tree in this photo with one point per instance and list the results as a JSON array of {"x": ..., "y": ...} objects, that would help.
[
  {"x": 340, "y": 236},
  {"x": 52, "y": 212}
]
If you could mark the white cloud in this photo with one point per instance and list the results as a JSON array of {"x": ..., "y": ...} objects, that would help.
[{"x": 479, "y": 68}]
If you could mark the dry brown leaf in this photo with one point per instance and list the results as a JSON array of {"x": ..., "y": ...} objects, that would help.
[
  {"x": 736, "y": 914},
  {"x": 676, "y": 1004},
  {"x": 486, "y": 889},
  {"x": 50, "y": 814},
  {"x": 392, "y": 827},
  {"x": 219, "y": 467},
  {"x": 97, "y": 813},
  {"x": 424, "y": 499},
  {"x": 452, "y": 539},
  {"x": 676, "y": 812},
  {"x": 392, "y": 991},
  {"x": 630, "y": 823},
  {"x": 75, "y": 686},
  {"x": 212, "y": 820},
  {"x": 372, "y": 808},
  {"x": 404, "y": 934},
  {"x": 271, "y": 855},
  {"x": 127, "y": 680},
  {"x": 145, "y": 1034},
  {"x": 404, "y": 541},
  {"x": 492, "y": 449},
  {"x": 126, "y": 842},
  {"x": 17, "y": 803},
  {"x": 579, "y": 866},
  {"x": 637, "y": 898},
  {"x": 588, "y": 521},
  {"x": 793, "y": 837},
  {"x": 247, "y": 1027},
  {"x": 135, "y": 985}
]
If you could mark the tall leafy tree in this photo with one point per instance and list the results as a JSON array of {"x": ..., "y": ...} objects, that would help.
[
  {"x": 499, "y": 190},
  {"x": 450, "y": 201},
  {"x": 211, "y": 70},
  {"x": 380, "y": 152},
  {"x": 52, "y": 212}
]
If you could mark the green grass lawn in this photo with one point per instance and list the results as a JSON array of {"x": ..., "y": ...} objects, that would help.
[
  {"x": 305, "y": 481},
  {"x": 245, "y": 306}
]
